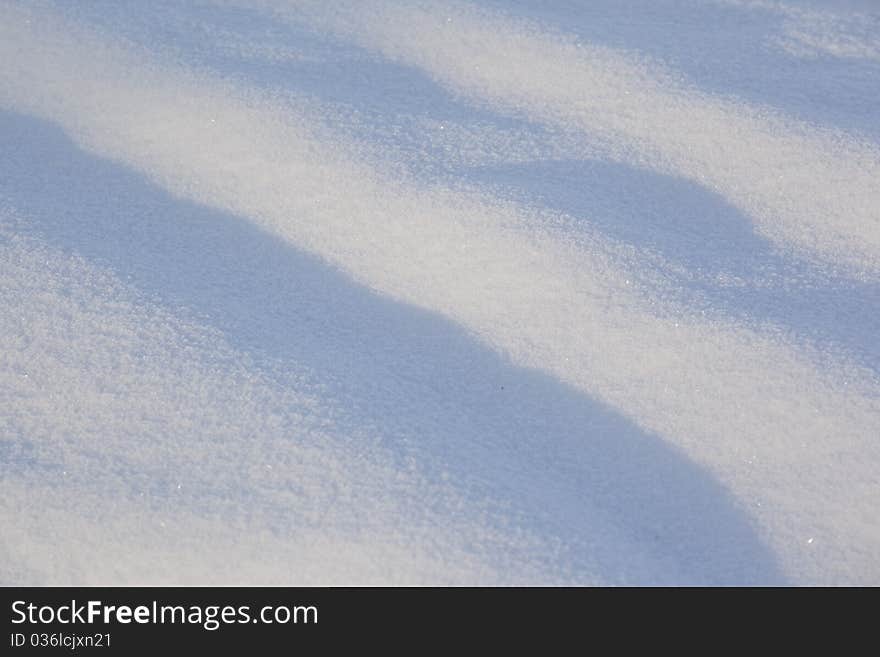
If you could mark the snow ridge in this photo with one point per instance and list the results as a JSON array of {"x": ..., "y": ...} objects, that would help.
[{"x": 761, "y": 449}]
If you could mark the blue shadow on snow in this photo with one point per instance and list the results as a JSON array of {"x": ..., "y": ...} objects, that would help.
[{"x": 550, "y": 459}]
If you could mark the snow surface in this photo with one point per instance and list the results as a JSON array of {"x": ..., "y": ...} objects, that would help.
[{"x": 437, "y": 292}]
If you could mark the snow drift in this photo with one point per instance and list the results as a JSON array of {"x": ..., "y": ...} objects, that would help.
[{"x": 435, "y": 293}]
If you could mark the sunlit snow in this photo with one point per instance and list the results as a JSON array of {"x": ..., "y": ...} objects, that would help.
[{"x": 393, "y": 292}]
